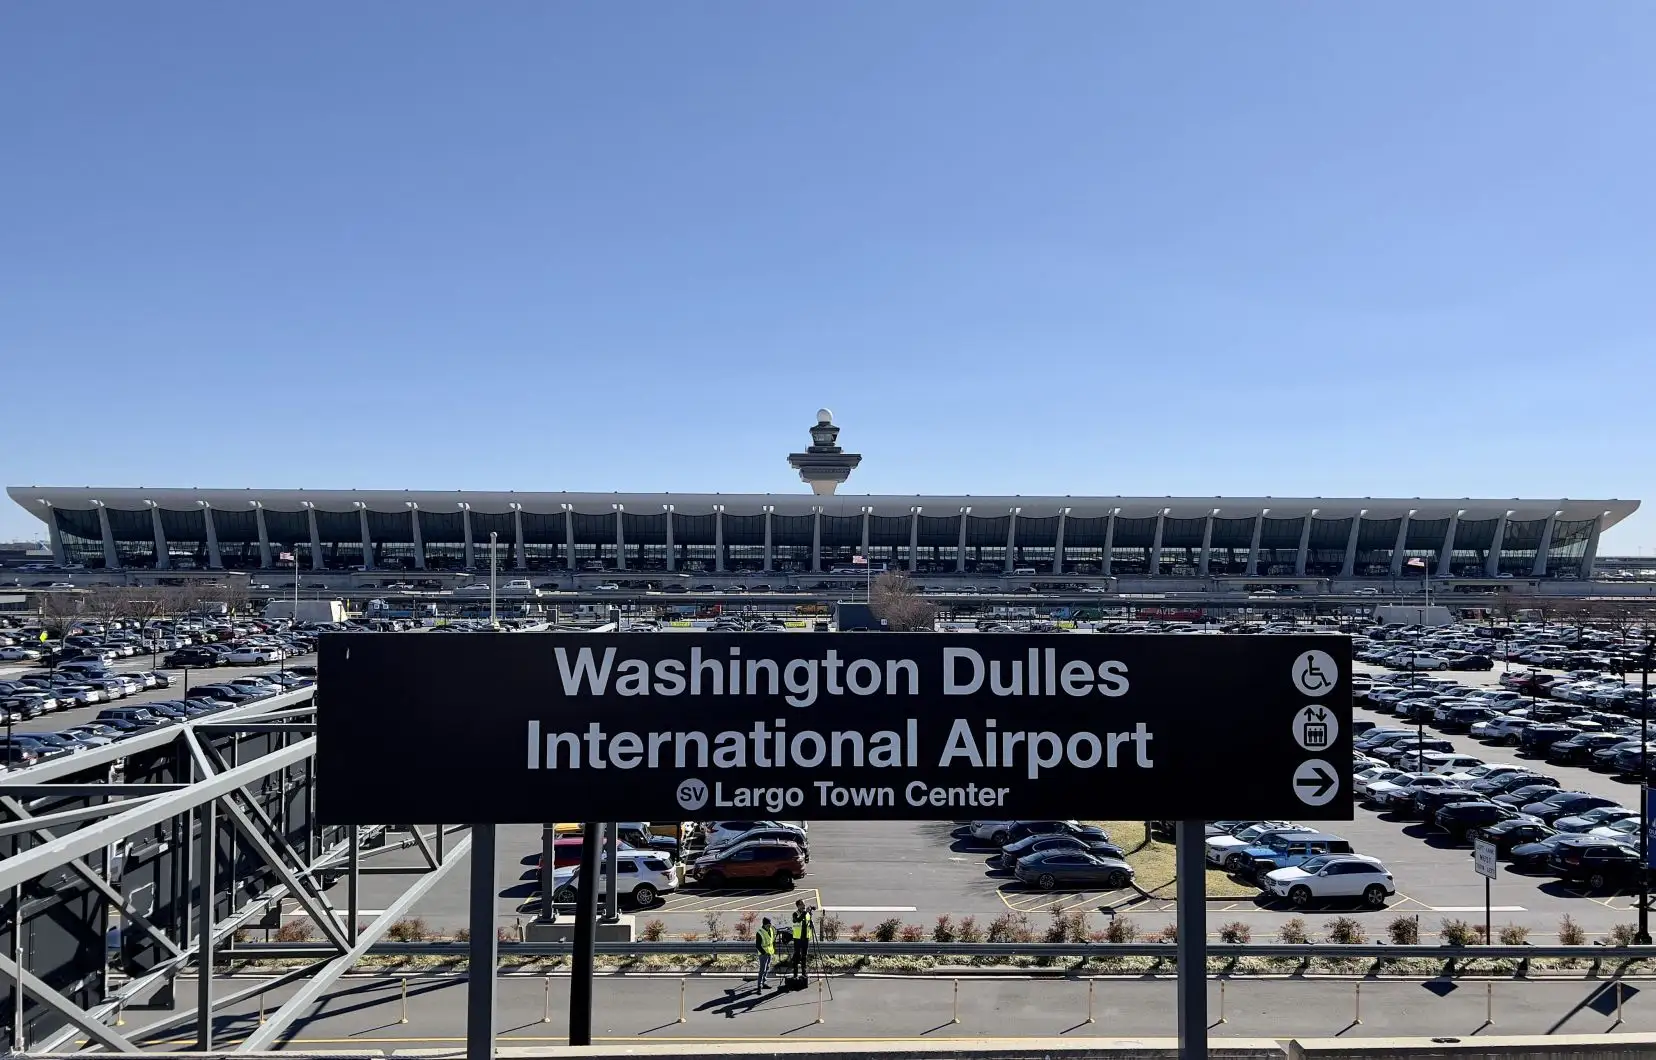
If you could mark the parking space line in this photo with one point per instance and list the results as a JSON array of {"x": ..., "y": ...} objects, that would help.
[
  {"x": 1041, "y": 901},
  {"x": 742, "y": 901}
]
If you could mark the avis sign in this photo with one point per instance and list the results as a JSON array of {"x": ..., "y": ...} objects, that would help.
[{"x": 528, "y": 727}]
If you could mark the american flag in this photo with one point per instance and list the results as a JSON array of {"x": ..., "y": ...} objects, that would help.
[
  {"x": 1416, "y": 561},
  {"x": 859, "y": 561},
  {"x": 285, "y": 557}
]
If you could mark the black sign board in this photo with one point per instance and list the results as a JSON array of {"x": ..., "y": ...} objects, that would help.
[{"x": 522, "y": 728}]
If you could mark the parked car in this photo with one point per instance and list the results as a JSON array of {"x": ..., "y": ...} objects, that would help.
[
  {"x": 1597, "y": 862},
  {"x": 786, "y": 833},
  {"x": 1051, "y": 869},
  {"x": 1333, "y": 876},
  {"x": 1282, "y": 851},
  {"x": 640, "y": 877},
  {"x": 1591, "y": 819},
  {"x": 1226, "y": 851},
  {"x": 762, "y": 861},
  {"x": 1565, "y": 804},
  {"x": 1514, "y": 831},
  {"x": 1035, "y": 844},
  {"x": 1460, "y": 819}
]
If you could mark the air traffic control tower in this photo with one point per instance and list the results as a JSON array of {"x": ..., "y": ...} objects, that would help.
[{"x": 823, "y": 464}]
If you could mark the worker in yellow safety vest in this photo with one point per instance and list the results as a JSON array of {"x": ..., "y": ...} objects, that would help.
[
  {"x": 804, "y": 930},
  {"x": 764, "y": 940}
]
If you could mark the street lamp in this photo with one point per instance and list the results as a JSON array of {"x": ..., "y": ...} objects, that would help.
[{"x": 493, "y": 537}]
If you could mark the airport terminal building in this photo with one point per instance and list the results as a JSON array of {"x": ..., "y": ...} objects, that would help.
[{"x": 1134, "y": 537}]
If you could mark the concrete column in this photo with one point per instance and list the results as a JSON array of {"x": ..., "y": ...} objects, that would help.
[
  {"x": 569, "y": 540},
  {"x": 718, "y": 542},
  {"x": 466, "y": 536},
  {"x": 521, "y": 554},
  {"x": 60, "y": 555},
  {"x": 620, "y": 544},
  {"x": 767, "y": 561},
  {"x": 1109, "y": 545},
  {"x": 1207, "y": 546},
  {"x": 112, "y": 558},
  {"x": 1011, "y": 542},
  {"x": 1401, "y": 543},
  {"x": 1589, "y": 557},
  {"x": 264, "y": 538},
  {"x": 914, "y": 542},
  {"x": 672, "y": 548},
  {"x": 960, "y": 548},
  {"x": 419, "y": 538},
  {"x": 865, "y": 535},
  {"x": 214, "y": 560},
  {"x": 1304, "y": 554},
  {"x": 316, "y": 541},
  {"x": 367, "y": 540},
  {"x": 1253, "y": 546},
  {"x": 1448, "y": 547},
  {"x": 1492, "y": 562},
  {"x": 1348, "y": 566},
  {"x": 163, "y": 558},
  {"x": 1155, "y": 545},
  {"x": 816, "y": 541},
  {"x": 1539, "y": 570}
]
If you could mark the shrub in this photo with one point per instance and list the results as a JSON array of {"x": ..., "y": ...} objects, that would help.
[
  {"x": 299, "y": 931},
  {"x": 1076, "y": 927},
  {"x": 1459, "y": 933},
  {"x": 691, "y": 936},
  {"x": 409, "y": 929},
  {"x": 1513, "y": 934},
  {"x": 1345, "y": 931},
  {"x": 912, "y": 933},
  {"x": 1571, "y": 933},
  {"x": 1057, "y": 927},
  {"x": 968, "y": 931},
  {"x": 1001, "y": 928},
  {"x": 944, "y": 931},
  {"x": 1235, "y": 932},
  {"x": 1404, "y": 931},
  {"x": 462, "y": 934},
  {"x": 829, "y": 929},
  {"x": 858, "y": 933},
  {"x": 1623, "y": 934},
  {"x": 886, "y": 930},
  {"x": 715, "y": 927},
  {"x": 507, "y": 934},
  {"x": 1120, "y": 929},
  {"x": 1294, "y": 932},
  {"x": 1098, "y": 936},
  {"x": 744, "y": 924},
  {"x": 654, "y": 930},
  {"x": 1169, "y": 933}
]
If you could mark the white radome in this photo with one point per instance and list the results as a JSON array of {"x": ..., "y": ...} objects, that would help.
[{"x": 825, "y": 415}]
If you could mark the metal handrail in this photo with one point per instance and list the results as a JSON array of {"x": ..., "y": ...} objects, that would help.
[{"x": 1088, "y": 950}]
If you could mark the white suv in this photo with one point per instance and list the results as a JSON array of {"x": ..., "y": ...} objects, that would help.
[
  {"x": 641, "y": 876},
  {"x": 1333, "y": 876}
]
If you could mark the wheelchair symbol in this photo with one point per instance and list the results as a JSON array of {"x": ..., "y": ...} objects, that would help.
[{"x": 1315, "y": 673}]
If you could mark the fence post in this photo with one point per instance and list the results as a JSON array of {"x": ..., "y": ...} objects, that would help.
[
  {"x": 1357, "y": 1001},
  {"x": 404, "y": 1018},
  {"x": 1620, "y": 992},
  {"x": 681, "y": 999},
  {"x": 1489, "y": 1004},
  {"x": 120, "y": 1004},
  {"x": 956, "y": 1018},
  {"x": 1222, "y": 1001},
  {"x": 819, "y": 999},
  {"x": 261, "y": 1007},
  {"x": 546, "y": 1012},
  {"x": 1090, "y": 983}
]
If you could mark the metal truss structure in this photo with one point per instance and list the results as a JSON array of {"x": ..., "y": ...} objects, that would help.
[{"x": 124, "y": 866}]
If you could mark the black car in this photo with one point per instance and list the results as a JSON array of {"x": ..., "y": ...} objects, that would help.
[
  {"x": 225, "y": 693},
  {"x": 1472, "y": 662},
  {"x": 1580, "y": 748},
  {"x": 1535, "y": 739},
  {"x": 1565, "y": 804},
  {"x": 1514, "y": 831},
  {"x": 1460, "y": 819},
  {"x": 1427, "y": 803},
  {"x": 1035, "y": 844},
  {"x": 1528, "y": 793},
  {"x": 1460, "y": 718},
  {"x": 191, "y": 657},
  {"x": 1599, "y": 863},
  {"x": 1024, "y": 829}
]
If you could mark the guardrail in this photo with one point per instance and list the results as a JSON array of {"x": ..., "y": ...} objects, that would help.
[{"x": 1009, "y": 950}]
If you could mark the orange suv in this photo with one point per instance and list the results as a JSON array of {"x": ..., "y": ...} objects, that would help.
[{"x": 756, "y": 862}]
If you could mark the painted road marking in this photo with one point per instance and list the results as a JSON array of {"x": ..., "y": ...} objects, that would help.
[
  {"x": 869, "y": 909},
  {"x": 1477, "y": 908}
]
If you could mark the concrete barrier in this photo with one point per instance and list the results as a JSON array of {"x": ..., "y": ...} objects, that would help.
[{"x": 1516, "y": 1047}]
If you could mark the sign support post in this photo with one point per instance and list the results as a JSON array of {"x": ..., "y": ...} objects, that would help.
[
  {"x": 1485, "y": 863},
  {"x": 484, "y": 950},
  {"x": 1190, "y": 867},
  {"x": 586, "y": 911}
]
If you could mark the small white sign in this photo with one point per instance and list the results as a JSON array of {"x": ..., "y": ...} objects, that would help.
[
  {"x": 1315, "y": 728},
  {"x": 1315, "y": 673},
  {"x": 1316, "y": 782},
  {"x": 1484, "y": 858}
]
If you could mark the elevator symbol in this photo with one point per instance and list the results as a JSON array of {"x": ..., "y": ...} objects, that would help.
[{"x": 1315, "y": 728}]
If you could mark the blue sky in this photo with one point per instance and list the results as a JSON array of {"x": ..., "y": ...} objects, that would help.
[{"x": 1206, "y": 248}]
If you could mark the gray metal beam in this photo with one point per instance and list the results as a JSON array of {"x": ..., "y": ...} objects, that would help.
[
  {"x": 86, "y": 791},
  {"x": 222, "y": 1001},
  {"x": 22, "y": 868},
  {"x": 274, "y": 726},
  {"x": 51, "y": 820},
  {"x": 312, "y": 992},
  {"x": 96, "y": 1029},
  {"x": 101, "y": 885}
]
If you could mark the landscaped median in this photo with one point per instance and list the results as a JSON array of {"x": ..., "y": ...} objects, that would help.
[{"x": 1152, "y": 862}]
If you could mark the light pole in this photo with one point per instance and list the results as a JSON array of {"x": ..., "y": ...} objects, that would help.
[{"x": 493, "y": 536}]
